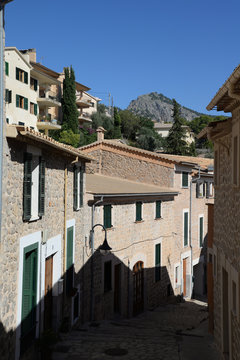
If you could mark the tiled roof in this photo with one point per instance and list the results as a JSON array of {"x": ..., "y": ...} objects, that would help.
[
  {"x": 16, "y": 131},
  {"x": 176, "y": 159},
  {"x": 107, "y": 185}
]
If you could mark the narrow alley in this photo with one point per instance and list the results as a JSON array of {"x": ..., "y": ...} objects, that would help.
[{"x": 170, "y": 332}]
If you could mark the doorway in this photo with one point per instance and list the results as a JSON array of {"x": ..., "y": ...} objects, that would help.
[
  {"x": 138, "y": 288},
  {"x": 48, "y": 293}
]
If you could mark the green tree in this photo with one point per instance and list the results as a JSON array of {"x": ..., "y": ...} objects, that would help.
[
  {"x": 175, "y": 142},
  {"x": 69, "y": 107},
  {"x": 117, "y": 124},
  {"x": 100, "y": 118}
]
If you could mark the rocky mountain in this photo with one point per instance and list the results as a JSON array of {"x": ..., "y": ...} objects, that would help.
[{"x": 158, "y": 108}]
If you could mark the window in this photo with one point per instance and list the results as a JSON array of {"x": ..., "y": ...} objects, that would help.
[
  {"x": 200, "y": 189},
  {"x": 185, "y": 228},
  {"x": 33, "y": 108},
  {"x": 69, "y": 263},
  {"x": 157, "y": 262},
  {"x": 107, "y": 216},
  {"x": 6, "y": 68},
  {"x": 8, "y": 96},
  {"x": 108, "y": 276},
  {"x": 184, "y": 179},
  {"x": 200, "y": 231},
  {"x": 21, "y": 75},
  {"x": 158, "y": 209},
  {"x": 138, "y": 211},
  {"x": 33, "y": 84},
  {"x": 209, "y": 189},
  {"x": 33, "y": 187},
  {"x": 78, "y": 187},
  {"x": 29, "y": 295},
  {"x": 21, "y": 102}
]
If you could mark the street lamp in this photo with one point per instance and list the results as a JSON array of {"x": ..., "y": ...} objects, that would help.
[{"x": 104, "y": 248}]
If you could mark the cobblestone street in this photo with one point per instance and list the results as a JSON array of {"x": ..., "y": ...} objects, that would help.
[{"x": 170, "y": 332}]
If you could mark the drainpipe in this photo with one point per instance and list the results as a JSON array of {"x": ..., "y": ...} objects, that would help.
[
  {"x": 92, "y": 253},
  {"x": 190, "y": 231}
]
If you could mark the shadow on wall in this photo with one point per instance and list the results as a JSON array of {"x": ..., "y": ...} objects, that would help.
[
  {"x": 200, "y": 274},
  {"x": 105, "y": 287}
]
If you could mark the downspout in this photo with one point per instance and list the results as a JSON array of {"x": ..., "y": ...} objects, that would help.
[
  {"x": 190, "y": 232},
  {"x": 92, "y": 253},
  {"x": 1, "y": 105}
]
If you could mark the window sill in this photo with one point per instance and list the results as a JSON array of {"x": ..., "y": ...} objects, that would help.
[
  {"x": 139, "y": 221},
  {"x": 34, "y": 218},
  {"x": 185, "y": 187}
]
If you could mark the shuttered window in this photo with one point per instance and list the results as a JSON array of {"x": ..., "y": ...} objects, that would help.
[
  {"x": 41, "y": 191},
  {"x": 21, "y": 75},
  {"x": 158, "y": 209},
  {"x": 185, "y": 229},
  {"x": 184, "y": 179},
  {"x": 6, "y": 68},
  {"x": 8, "y": 96},
  {"x": 29, "y": 295},
  {"x": 78, "y": 173},
  {"x": 35, "y": 109},
  {"x": 27, "y": 186},
  {"x": 201, "y": 231},
  {"x": 138, "y": 211},
  {"x": 69, "y": 262},
  {"x": 157, "y": 262},
  {"x": 107, "y": 216}
]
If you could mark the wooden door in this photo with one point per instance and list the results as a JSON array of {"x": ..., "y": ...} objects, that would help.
[
  {"x": 184, "y": 277},
  {"x": 117, "y": 288},
  {"x": 138, "y": 288},
  {"x": 48, "y": 293}
]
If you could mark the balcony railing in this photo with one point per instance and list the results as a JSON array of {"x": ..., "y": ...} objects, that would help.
[
  {"x": 48, "y": 94},
  {"x": 47, "y": 119}
]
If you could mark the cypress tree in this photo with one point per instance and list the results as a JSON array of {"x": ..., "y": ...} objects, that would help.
[
  {"x": 69, "y": 106},
  {"x": 117, "y": 124},
  {"x": 175, "y": 142}
]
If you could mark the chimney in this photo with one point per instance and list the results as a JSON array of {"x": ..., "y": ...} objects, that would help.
[
  {"x": 33, "y": 55},
  {"x": 100, "y": 133}
]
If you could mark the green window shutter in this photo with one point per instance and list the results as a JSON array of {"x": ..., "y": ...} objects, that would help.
[
  {"x": 204, "y": 189},
  {"x": 41, "y": 190},
  {"x": 185, "y": 229},
  {"x": 157, "y": 262},
  {"x": 81, "y": 187},
  {"x": 27, "y": 186},
  {"x": 25, "y": 103},
  {"x": 75, "y": 188},
  {"x": 69, "y": 262},
  {"x": 29, "y": 289},
  {"x": 138, "y": 211},
  {"x": 201, "y": 231},
  {"x": 197, "y": 190},
  {"x": 6, "y": 95},
  {"x": 158, "y": 209},
  {"x": 25, "y": 77},
  {"x": 6, "y": 68},
  {"x": 17, "y": 73},
  {"x": 9, "y": 96},
  {"x": 35, "y": 109},
  {"x": 17, "y": 101},
  {"x": 107, "y": 216},
  {"x": 184, "y": 179},
  {"x": 207, "y": 190},
  {"x": 35, "y": 84}
]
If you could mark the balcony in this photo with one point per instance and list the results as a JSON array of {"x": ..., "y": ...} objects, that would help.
[
  {"x": 45, "y": 122},
  {"x": 84, "y": 118},
  {"x": 48, "y": 98},
  {"x": 83, "y": 102}
]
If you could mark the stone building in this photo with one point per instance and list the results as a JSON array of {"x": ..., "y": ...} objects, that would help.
[
  {"x": 120, "y": 179},
  {"x": 224, "y": 250},
  {"x": 44, "y": 223}
]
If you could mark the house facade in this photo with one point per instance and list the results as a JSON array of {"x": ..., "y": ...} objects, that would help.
[
  {"x": 179, "y": 234},
  {"x": 223, "y": 251},
  {"x": 164, "y": 128}
]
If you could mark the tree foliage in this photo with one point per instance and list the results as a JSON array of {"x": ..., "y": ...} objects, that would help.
[
  {"x": 117, "y": 124},
  {"x": 69, "y": 107}
]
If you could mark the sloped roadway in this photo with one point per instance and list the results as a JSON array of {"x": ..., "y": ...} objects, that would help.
[{"x": 170, "y": 332}]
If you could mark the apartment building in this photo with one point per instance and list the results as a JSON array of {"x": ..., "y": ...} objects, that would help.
[
  {"x": 224, "y": 251},
  {"x": 162, "y": 231}
]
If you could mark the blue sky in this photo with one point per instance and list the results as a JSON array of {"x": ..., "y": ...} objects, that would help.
[{"x": 182, "y": 49}]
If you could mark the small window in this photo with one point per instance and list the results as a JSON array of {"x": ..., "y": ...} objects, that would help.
[
  {"x": 21, "y": 102},
  {"x": 201, "y": 231},
  {"x": 78, "y": 187},
  {"x": 33, "y": 108},
  {"x": 107, "y": 216},
  {"x": 138, "y": 211},
  {"x": 185, "y": 228},
  {"x": 184, "y": 179},
  {"x": 108, "y": 276},
  {"x": 157, "y": 262},
  {"x": 158, "y": 209},
  {"x": 209, "y": 190},
  {"x": 33, "y": 84},
  {"x": 21, "y": 75},
  {"x": 200, "y": 189},
  {"x": 6, "y": 68},
  {"x": 8, "y": 96}
]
